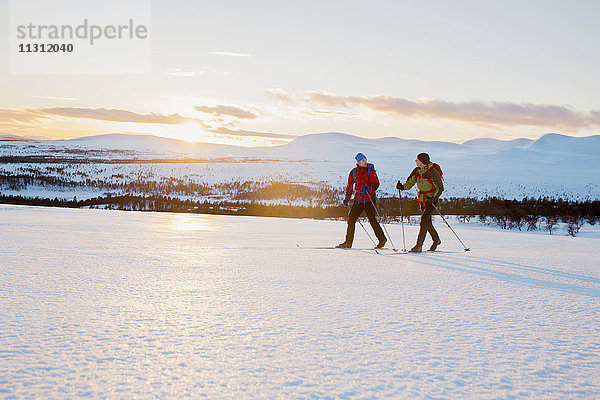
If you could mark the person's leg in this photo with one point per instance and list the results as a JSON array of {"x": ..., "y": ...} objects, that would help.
[
  {"x": 426, "y": 218},
  {"x": 370, "y": 209},
  {"x": 353, "y": 215},
  {"x": 431, "y": 229},
  {"x": 424, "y": 226}
]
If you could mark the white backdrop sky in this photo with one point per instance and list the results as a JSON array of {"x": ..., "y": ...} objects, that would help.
[{"x": 231, "y": 71}]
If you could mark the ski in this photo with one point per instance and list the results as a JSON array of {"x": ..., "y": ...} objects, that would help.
[
  {"x": 339, "y": 248},
  {"x": 387, "y": 251},
  {"x": 333, "y": 248},
  {"x": 383, "y": 251},
  {"x": 397, "y": 252},
  {"x": 427, "y": 252}
]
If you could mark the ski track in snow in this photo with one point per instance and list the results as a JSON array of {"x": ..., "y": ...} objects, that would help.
[{"x": 156, "y": 305}]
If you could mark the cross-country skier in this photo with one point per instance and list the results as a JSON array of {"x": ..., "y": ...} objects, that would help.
[
  {"x": 428, "y": 178},
  {"x": 364, "y": 181}
]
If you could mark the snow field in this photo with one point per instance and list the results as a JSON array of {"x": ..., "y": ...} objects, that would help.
[
  {"x": 479, "y": 168},
  {"x": 457, "y": 183},
  {"x": 126, "y": 304}
]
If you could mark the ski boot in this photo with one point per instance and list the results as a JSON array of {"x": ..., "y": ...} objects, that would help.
[
  {"x": 435, "y": 245},
  {"x": 417, "y": 249}
]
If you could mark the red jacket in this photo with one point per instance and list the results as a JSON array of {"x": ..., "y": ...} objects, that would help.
[{"x": 359, "y": 177}]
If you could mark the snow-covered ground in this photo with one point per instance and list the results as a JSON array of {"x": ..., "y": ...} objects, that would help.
[{"x": 155, "y": 305}]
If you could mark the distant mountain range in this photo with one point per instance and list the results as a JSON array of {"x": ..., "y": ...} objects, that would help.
[
  {"x": 324, "y": 145},
  {"x": 320, "y": 145},
  {"x": 17, "y": 138},
  {"x": 557, "y": 164}
]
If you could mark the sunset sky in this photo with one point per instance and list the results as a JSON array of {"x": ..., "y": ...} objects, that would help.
[{"x": 262, "y": 72}]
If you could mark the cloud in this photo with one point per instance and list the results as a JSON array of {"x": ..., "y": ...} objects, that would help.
[
  {"x": 187, "y": 73},
  {"x": 280, "y": 95},
  {"x": 328, "y": 112},
  {"x": 327, "y": 99},
  {"x": 228, "y": 54},
  {"x": 232, "y": 111},
  {"x": 239, "y": 132},
  {"x": 55, "y": 98},
  {"x": 594, "y": 117},
  {"x": 9, "y": 115},
  {"x": 116, "y": 115},
  {"x": 474, "y": 112}
]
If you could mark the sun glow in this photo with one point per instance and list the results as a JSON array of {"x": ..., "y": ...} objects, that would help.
[
  {"x": 194, "y": 133},
  {"x": 191, "y": 132},
  {"x": 190, "y": 223},
  {"x": 187, "y": 131}
]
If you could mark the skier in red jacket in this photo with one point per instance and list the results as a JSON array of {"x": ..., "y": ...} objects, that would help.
[{"x": 364, "y": 182}]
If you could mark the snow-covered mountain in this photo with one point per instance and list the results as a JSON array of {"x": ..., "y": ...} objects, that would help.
[
  {"x": 496, "y": 144},
  {"x": 9, "y": 137},
  {"x": 553, "y": 165},
  {"x": 561, "y": 144},
  {"x": 119, "y": 141},
  {"x": 319, "y": 146}
]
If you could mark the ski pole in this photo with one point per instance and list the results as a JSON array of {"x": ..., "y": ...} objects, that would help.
[
  {"x": 402, "y": 221},
  {"x": 365, "y": 229},
  {"x": 444, "y": 219},
  {"x": 382, "y": 224}
]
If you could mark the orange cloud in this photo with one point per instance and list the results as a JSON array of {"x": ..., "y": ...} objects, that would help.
[
  {"x": 239, "y": 132},
  {"x": 11, "y": 119},
  {"x": 115, "y": 115},
  {"x": 474, "y": 112},
  {"x": 8, "y": 115},
  {"x": 232, "y": 111}
]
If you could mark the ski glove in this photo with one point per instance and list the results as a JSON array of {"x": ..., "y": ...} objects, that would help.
[
  {"x": 366, "y": 188},
  {"x": 345, "y": 202},
  {"x": 399, "y": 186}
]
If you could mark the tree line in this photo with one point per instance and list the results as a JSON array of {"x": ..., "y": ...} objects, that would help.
[
  {"x": 318, "y": 194},
  {"x": 526, "y": 214}
]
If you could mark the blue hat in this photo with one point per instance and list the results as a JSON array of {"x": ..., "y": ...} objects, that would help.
[{"x": 359, "y": 156}]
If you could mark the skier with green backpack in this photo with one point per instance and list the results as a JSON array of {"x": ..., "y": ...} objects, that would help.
[{"x": 428, "y": 178}]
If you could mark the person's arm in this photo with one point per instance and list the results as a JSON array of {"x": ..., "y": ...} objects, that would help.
[
  {"x": 349, "y": 187},
  {"x": 412, "y": 179}
]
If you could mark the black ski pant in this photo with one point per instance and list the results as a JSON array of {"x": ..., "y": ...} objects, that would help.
[
  {"x": 353, "y": 215},
  {"x": 427, "y": 225}
]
